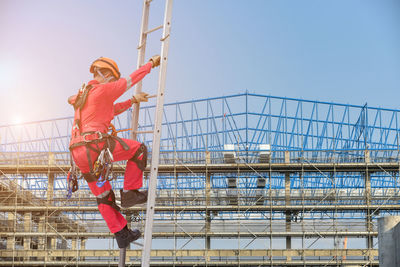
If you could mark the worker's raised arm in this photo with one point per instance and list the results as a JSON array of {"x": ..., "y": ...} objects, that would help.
[
  {"x": 137, "y": 75},
  {"x": 117, "y": 88},
  {"x": 122, "y": 106}
]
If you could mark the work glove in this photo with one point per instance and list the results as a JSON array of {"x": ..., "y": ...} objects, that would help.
[
  {"x": 155, "y": 60},
  {"x": 140, "y": 97}
]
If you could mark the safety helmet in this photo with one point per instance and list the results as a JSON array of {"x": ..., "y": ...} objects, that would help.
[{"x": 106, "y": 63}]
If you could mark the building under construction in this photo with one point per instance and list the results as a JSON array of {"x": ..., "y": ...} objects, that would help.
[{"x": 243, "y": 180}]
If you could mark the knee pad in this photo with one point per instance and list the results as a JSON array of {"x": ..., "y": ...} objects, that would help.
[
  {"x": 141, "y": 163},
  {"x": 105, "y": 200}
]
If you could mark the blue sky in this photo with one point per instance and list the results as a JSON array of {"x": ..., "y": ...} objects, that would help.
[{"x": 339, "y": 51}]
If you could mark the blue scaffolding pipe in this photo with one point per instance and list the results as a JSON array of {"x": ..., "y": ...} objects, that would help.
[{"x": 315, "y": 131}]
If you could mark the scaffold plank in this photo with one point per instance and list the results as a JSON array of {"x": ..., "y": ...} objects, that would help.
[{"x": 306, "y": 208}]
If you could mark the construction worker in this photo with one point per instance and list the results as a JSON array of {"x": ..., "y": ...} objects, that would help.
[{"x": 94, "y": 109}]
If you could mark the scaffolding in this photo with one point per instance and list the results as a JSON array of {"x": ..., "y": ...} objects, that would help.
[{"x": 245, "y": 179}]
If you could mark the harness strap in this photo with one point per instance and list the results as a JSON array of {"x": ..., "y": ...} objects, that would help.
[
  {"x": 78, "y": 105},
  {"x": 81, "y": 98},
  {"x": 110, "y": 142},
  {"x": 88, "y": 138},
  {"x": 90, "y": 162},
  {"x": 122, "y": 142},
  {"x": 100, "y": 138},
  {"x": 89, "y": 158},
  {"x": 105, "y": 200},
  {"x": 89, "y": 177}
]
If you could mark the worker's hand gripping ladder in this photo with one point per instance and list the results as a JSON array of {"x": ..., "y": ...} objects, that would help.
[{"x": 144, "y": 31}]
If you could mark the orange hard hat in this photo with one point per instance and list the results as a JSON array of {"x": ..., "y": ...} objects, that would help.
[{"x": 106, "y": 63}]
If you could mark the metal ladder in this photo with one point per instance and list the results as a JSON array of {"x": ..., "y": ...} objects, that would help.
[{"x": 144, "y": 31}]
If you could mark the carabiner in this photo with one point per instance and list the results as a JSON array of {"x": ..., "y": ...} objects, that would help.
[{"x": 100, "y": 183}]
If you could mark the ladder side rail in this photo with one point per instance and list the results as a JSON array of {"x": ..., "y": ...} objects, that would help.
[
  {"x": 157, "y": 136},
  {"x": 140, "y": 61},
  {"x": 138, "y": 88}
]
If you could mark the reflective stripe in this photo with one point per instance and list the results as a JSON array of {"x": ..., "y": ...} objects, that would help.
[
  {"x": 104, "y": 194},
  {"x": 128, "y": 82}
]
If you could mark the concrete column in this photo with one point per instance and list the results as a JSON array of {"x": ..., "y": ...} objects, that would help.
[
  {"x": 50, "y": 188},
  {"x": 287, "y": 157},
  {"x": 74, "y": 244},
  {"x": 367, "y": 156},
  {"x": 52, "y": 158},
  {"x": 368, "y": 217},
  {"x": 207, "y": 227},
  {"x": 51, "y": 245},
  {"x": 51, "y": 242},
  {"x": 41, "y": 229},
  {"x": 288, "y": 213},
  {"x": 389, "y": 253},
  {"x": 27, "y": 229},
  {"x": 208, "y": 213},
  {"x": 83, "y": 243},
  {"x": 83, "y": 247},
  {"x": 208, "y": 157},
  {"x": 10, "y": 226}
]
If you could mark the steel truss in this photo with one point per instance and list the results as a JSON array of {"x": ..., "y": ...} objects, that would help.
[{"x": 330, "y": 171}]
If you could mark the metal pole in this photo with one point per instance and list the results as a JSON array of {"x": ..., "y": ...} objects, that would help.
[
  {"x": 122, "y": 257},
  {"x": 157, "y": 136}
]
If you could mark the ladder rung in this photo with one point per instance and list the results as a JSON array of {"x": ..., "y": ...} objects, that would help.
[
  {"x": 164, "y": 38},
  {"x": 142, "y": 132},
  {"x": 137, "y": 244},
  {"x": 140, "y": 46},
  {"x": 154, "y": 29}
]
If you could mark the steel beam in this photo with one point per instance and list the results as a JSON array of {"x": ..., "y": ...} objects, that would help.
[
  {"x": 282, "y": 208},
  {"x": 192, "y": 253},
  {"x": 198, "y": 263},
  {"x": 221, "y": 257},
  {"x": 307, "y": 234},
  {"x": 225, "y": 168}
]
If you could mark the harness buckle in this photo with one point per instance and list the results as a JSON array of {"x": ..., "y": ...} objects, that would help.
[{"x": 99, "y": 135}]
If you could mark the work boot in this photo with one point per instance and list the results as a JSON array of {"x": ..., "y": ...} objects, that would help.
[
  {"x": 132, "y": 197},
  {"x": 126, "y": 236}
]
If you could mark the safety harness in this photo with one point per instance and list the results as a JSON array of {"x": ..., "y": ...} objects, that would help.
[{"x": 101, "y": 168}]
